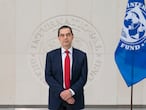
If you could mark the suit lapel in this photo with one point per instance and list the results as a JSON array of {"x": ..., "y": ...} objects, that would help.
[
  {"x": 73, "y": 61},
  {"x": 59, "y": 65}
]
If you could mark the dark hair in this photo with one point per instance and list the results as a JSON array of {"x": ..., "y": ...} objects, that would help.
[{"x": 65, "y": 26}]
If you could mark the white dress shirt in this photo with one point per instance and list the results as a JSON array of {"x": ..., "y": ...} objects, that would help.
[{"x": 63, "y": 60}]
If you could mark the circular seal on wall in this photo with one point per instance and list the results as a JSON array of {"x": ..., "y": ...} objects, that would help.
[{"x": 86, "y": 38}]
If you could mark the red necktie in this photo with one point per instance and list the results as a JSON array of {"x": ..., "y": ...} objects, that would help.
[{"x": 67, "y": 70}]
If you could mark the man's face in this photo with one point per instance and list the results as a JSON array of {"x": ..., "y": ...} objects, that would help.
[{"x": 65, "y": 37}]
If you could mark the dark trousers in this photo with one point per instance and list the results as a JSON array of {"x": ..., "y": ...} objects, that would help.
[{"x": 65, "y": 106}]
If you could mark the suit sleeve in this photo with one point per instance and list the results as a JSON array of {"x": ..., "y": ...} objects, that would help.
[
  {"x": 78, "y": 86},
  {"x": 53, "y": 84}
]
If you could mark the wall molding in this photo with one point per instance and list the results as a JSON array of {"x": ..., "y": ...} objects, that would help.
[{"x": 86, "y": 106}]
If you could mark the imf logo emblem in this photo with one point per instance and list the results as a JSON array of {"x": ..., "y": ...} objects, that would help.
[{"x": 134, "y": 28}]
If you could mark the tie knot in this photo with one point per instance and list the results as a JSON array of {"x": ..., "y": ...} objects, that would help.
[{"x": 67, "y": 52}]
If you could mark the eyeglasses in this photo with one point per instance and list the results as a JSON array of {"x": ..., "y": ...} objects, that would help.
[{"x": 67, "y": 35}]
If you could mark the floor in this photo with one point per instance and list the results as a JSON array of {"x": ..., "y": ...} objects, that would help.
[{"x": 85, "y": 109}]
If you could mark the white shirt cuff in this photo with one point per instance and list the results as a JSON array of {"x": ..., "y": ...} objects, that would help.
[{"x": 72, "y": 92}]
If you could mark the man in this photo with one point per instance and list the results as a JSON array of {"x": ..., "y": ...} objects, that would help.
[{"x": 66, "y": 74}]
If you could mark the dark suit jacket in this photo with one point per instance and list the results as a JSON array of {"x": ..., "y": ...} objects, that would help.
[{"x": 54, "y": 77}]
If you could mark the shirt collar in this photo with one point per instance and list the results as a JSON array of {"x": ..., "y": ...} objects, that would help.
[{"x": 70, "y": 50}]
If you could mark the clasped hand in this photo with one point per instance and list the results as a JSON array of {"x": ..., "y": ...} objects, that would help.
[{"x": 67, "y": 96}]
